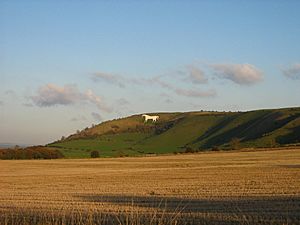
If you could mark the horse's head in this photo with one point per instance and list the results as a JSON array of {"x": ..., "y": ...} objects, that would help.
[{"x": 144, "y": 115}]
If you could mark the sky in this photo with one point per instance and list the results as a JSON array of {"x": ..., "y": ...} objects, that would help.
[{"x": 65, "y": 65}]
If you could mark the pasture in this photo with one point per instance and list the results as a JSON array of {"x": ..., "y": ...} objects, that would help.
[
  {"x": 175, "y": 132},
  {"x": 257, "y": 187}
]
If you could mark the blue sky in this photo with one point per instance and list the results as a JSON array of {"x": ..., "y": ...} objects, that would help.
[{"x": 65, "y": 65}]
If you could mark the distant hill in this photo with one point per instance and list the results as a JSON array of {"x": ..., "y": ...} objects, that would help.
[
  {"x": 188, "y": 131},
  {"x": 11, "y": 145}
]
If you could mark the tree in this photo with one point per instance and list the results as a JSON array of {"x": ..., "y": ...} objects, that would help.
[{"x": 95, "y": 154}]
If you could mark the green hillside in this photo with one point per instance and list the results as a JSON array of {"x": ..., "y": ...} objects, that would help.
[{"x": 177, "y": 132}]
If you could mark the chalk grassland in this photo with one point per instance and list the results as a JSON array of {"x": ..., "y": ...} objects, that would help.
[
  {"x": 175, "y": 132},
  {"x": 259, "y": 187}
]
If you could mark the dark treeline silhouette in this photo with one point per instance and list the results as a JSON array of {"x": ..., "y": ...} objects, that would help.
[{"x": 33, "y": 152}]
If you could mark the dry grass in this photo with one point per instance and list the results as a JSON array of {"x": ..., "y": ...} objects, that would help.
[{"x": 207, "y": 188}]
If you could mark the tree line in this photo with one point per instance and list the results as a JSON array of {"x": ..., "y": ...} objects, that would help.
[{"x": 33, "y": 152}]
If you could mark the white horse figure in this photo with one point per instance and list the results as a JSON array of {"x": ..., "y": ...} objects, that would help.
[{"x": 147, "y": 117}]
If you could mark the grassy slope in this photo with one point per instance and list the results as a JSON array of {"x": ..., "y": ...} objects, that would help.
[
  {"x": 108, "y": 145},
  {"x": 185, "y": 131},
  {"x": 175, "y": 131}
]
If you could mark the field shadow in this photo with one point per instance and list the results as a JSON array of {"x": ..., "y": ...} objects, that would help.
[
  {"x": 167, "y": 211},
  {"x": 275, "y": 207}
]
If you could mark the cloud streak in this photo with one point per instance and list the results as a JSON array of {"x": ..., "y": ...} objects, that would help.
[
  {"x": 109, "y": 78},
  {"x": 52, "y": 95},
  {"x": 91, "y": 97},
  {"x": 242, "y": 74},
  {"x": 292, "y": 72},
  {"x": 195, "y": 74},
  {"x": 195, "y": 93},
  {"x": 119, "y": 80},
  {"x": 184, "y": 92},
  {"x": 97, "y": 116}
]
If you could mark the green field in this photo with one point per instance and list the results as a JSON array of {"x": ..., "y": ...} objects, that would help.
[
  {"x": 177, "y": 132},
  {"x": 107, "y": 145}
]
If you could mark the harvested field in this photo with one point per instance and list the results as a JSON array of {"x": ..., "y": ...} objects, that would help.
[{"x": 259, "y": 187}]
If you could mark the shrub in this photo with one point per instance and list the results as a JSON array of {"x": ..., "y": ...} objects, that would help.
[
  {"x": 95, "y": 154},
  {"x": 189, "y": 150},
  {"x": 215, "y": 148}
]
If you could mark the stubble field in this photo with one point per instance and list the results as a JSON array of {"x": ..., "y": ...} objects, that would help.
[{"x": 258, "y": 187}]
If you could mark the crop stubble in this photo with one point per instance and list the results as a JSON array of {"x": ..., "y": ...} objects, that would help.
[{"x": 224, "y": 186}]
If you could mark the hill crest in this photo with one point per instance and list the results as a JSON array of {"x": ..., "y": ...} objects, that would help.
[{"x": 177, "y": 132}]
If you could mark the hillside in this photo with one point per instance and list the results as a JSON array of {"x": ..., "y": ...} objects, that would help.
[{"x": 189, "y": 131}]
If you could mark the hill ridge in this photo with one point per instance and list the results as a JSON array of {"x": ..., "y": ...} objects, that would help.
[{"x": 186, "y": 131}]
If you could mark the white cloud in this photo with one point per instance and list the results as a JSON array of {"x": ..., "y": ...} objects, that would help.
[
  {"x": 51, "y": 95},
  {"x": 243, "y": 74},
  {"x": 292, "y": 72}
]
